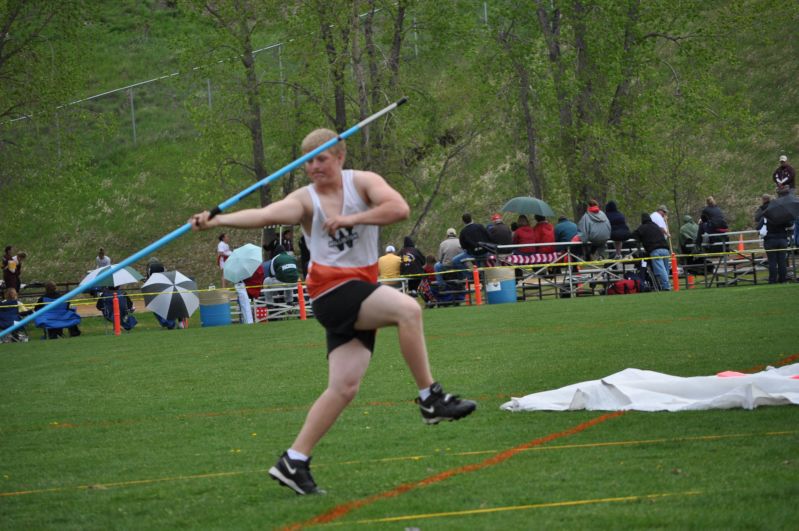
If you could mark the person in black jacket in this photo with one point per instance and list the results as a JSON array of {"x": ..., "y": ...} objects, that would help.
[
  {"x": 775, "y": 242},
  {"x": 655, "y": 245},
  {"x": 619, "y": 231},
  {"x": 714, "y": 224},
  {"x": 472, "y": 237},
  {"x": 412, "y": 263}
]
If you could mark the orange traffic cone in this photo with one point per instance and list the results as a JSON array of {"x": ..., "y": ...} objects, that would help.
[{"x": 741, "y": 243}]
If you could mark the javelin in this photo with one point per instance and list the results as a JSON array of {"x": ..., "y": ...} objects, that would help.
[{"x": 180, "y": 231}]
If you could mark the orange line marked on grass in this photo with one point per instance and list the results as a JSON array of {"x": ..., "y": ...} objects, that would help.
[
  {"x": 780, "y": 363},
  {"x": 546, "y": 505},
  {"x": 342, "y": 510}
]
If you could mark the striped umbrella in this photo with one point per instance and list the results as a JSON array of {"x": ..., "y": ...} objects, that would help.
[
  {"x": 171, "y": 295},
  {"x": 126, "y": 275}
]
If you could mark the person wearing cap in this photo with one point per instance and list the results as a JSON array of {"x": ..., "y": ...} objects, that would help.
[
  {"x": 499, "y": 232},
  {"x": 660, "y": 217},
  {"x": 785, "y": 175},
  {"x": 447, "y": 250},
  {"x": 388, "y": 266}
]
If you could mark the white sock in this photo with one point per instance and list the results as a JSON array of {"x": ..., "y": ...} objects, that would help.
[
  {"x": 424, "y": 393},
  {"x": 296, "y": 456}
]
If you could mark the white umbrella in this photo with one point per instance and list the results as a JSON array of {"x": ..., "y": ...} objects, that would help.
[
  {"x": 126, "y": 275},
  {"x": 171, "y": 295},
  {"x": 242, "y": 262}
]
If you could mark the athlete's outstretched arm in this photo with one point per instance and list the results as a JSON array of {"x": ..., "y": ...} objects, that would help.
[{"x": 287, "y": 211}]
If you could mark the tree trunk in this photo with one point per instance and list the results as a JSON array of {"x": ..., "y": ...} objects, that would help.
[{"x": 336, "y": 63}]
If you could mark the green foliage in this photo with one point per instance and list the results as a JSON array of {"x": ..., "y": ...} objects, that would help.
[{"x": 705, "y": 106}]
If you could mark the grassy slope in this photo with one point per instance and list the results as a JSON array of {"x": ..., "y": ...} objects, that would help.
[
  {"x": 128, "y": 196},
  {"x": 160, "y": 429}
]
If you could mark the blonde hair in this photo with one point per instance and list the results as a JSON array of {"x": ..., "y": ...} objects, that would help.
[
  {"x": 317, "y": 137},
  {"x": 710, "y": 201}
]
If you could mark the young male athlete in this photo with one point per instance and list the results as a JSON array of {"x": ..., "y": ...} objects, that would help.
[{"x": 340, "y": 213}]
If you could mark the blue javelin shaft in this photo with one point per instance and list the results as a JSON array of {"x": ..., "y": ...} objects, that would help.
[{"x": 180, "y": 231}]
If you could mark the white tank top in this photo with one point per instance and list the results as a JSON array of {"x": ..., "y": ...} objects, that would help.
[{"x": 349, "y": 254}]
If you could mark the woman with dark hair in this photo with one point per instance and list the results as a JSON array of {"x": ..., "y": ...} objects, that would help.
[{"x": 619, "y": 231}]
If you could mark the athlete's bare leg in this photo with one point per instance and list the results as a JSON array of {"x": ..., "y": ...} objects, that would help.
[
  {"x": 347, "y": 365},
  {"x": 389, "y": 307}
]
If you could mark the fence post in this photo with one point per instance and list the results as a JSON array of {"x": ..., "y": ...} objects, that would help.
[
  {"x": 478, "y": 296},
  {"x": 675, "y": 275},
  {"x": 301, "y": 297},
  {"x": 116, "y": 314}
]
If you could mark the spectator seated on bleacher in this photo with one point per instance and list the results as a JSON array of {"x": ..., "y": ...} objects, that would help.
[
  {"x": 12, "y": 310},
  {"x": 106, "y": 305},
  {"x": 58, "y": 317}
]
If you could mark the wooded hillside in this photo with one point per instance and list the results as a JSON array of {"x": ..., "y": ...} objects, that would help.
[{"x": 120, "y": 119}]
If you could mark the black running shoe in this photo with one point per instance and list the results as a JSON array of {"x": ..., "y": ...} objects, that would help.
[
  {"x": 295, "y": 475},
  {"x": 443, "y": 406}
]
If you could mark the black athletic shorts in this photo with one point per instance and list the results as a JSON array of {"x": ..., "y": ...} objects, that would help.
[{"x": 338, "y": 310}]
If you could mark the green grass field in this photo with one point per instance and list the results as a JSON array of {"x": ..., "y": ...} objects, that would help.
[{"x": 176, "y": 429}]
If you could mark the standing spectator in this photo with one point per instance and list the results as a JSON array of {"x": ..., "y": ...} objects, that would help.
[
  {"x": 714, "y": 225},
  {"x": 661, "y": 218},
  {"x": 544, "y": 232},
  {"x": 472, "y": 237},
  {"x": 305, "y": 256},
  {"x": 655, "y": 244},
  {"x": 499, "y": 232},
  {"x": 619, "y": 231},
  {"x": 102, "y": 259},
  {"x": 287, "y": 240},
  {"x": 412, "y": 263},
  {"x": 765, "y": 200},
  {"x": 222, "y": 252},
  {"x": 8, "y": 274},
  {"x": 447, "y": 250},
  {"x": 785, "y": 175},
  {"x": 595, "y": 228},
  {"x": 388, "y": 265},
  {"x": 12, "y": 269},
  {"x": 523, "y": 234},
  {"x": 775, "y": 242}
]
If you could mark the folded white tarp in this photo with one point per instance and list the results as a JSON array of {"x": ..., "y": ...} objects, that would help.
[{"x": 635, "y": 389}]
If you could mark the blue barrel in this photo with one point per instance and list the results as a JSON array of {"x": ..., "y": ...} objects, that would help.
[
  {"x": 500, "y": 285},
  {"x": 215, "y": 314}
]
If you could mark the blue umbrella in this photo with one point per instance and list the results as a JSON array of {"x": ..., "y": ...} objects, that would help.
[
  {"x": 528, "y": 206},
  {"x": 242, "y": 262}
]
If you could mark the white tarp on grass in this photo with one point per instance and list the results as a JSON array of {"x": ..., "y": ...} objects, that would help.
[{"x": 635, "y": 389}]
